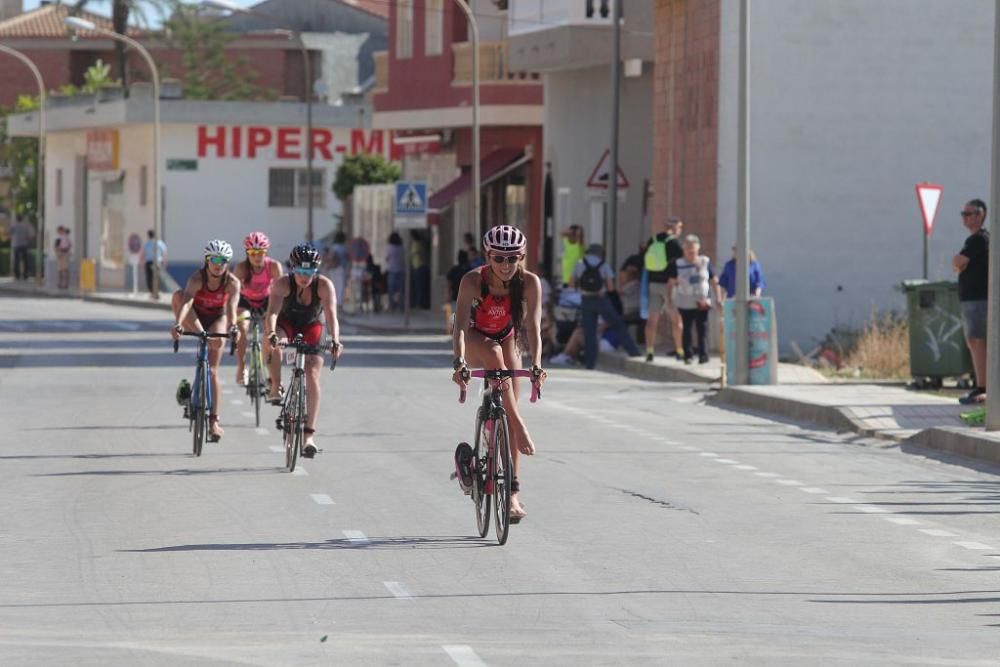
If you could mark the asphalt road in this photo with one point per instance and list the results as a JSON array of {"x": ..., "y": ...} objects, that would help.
[{"x": 661, "y": 530}]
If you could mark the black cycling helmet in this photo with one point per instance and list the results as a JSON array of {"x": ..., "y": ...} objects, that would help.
[{"x": 304, "y": 255}]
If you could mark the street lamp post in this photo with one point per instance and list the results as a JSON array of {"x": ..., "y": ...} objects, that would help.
[
  {"x": 464, "y": 6},
  {"x": 741, "y": 354},
  {"x": 40, "y": 169},
  {"x": 78, "y": 23},
  {"x": 295, "y": 36},
  {"x": 992, "y": 380}
]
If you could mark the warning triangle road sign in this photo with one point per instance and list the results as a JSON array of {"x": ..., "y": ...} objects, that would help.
[
  {"x": 599, "y": 177},
  {"x": 929, "y": 198}
]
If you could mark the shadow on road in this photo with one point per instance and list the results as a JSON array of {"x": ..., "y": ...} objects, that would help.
[
  {"x": 16, "y": 457},
  {"x": 378, "y": 543},
  {"x": 181, "y": 471}
]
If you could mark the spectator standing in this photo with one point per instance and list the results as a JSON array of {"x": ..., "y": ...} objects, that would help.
[
  {"x": 453, "y": 279},
  {"x": 475, "y": 257},
  {"x": 728, "y": 278},
  {"x": 691, "y": 286},
  {"x": 661, "y": 251},
  {"x": 972, "y": 266},
  {"x": 154, "y": 254},
  {"x": 63, "y": 246},
  {"x": 572, "y": 251},
  {"x": 21, "y": 236},
  {"x": 337, "y": 264},
  {"x": 420, "y": 272},
  {"x": 394, "y": 267},
  {"x": 594, "y": 278}
]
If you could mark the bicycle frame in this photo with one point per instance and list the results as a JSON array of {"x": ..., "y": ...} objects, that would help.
[{"x": 201, "y": 400}]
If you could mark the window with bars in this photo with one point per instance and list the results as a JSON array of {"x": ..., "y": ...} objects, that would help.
[{"x": 289, "y": 188}]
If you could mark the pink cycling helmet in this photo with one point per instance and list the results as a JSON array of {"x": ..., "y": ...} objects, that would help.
[
  {"x": 256, "y": 241},
  {"x": 504, "y": 238}
]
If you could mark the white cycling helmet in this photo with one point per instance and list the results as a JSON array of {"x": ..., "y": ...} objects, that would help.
[
  {"x": 218, "y": 248},
  {"x": 504, "y": 238}
]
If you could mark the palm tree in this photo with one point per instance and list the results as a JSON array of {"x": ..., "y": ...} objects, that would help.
[{"x": 121, "y": 10}]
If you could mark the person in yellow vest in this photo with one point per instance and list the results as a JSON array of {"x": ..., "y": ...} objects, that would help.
[
  {"x": 572, "y": 251},
  {"x": 661, "y": 250}
]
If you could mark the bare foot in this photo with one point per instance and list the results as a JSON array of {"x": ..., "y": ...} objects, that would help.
[
  {"x": 524, "y": 443},
  {"x": 516, "y": 509},
  {"x": 216, "y": 430},
  {"x": 241, "y": 376}
]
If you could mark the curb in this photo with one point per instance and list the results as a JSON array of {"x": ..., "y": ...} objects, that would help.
[
  {"x": 958, "y": 441},
  {"x": 821, "y": 415},
  {"x": 640, "y": 369}
]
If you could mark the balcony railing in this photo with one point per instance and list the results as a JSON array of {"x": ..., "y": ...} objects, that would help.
[
  {"x": 531, "y": 15},
  {"x": 381, "y": 59},
  {"x": 493, "y": 64}
]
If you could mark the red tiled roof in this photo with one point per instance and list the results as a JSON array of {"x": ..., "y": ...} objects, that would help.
[
  {"x": 377, "y": 7},
  {"x": 48, "y": 21}
]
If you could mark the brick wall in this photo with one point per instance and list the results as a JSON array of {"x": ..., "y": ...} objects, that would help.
[
  {"x": 685, "y": 115},
  {"x": 277, "y": 70}
]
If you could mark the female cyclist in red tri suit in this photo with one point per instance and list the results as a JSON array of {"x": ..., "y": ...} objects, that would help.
[
  {"x": 494, "y": 304},
  {"x": 211, "y": 293}
]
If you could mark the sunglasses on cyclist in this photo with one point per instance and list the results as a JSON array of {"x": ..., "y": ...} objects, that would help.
[
  {"x": 218, "y": 261},
  {"x": 306, "y": 272},
  {"x": 512, "y": 259},
  {"x": 256, "y": 252}
]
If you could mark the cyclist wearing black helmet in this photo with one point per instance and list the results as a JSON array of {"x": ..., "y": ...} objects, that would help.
[{"x": 294, "y": 307}]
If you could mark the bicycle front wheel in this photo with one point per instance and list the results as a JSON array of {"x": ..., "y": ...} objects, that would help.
[
  {"x": 503, "y": 473},
  {"x": 480, "y": 485},
  {"x": 201, "y": 411},
  {"x": 253, "y": 385},
  {"x": 292, "y": 424}
]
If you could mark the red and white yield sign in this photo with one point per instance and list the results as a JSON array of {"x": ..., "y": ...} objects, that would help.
[{"x": 929, "y": 198}]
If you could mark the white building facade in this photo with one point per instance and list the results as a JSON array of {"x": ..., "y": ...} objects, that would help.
[{"x": 227, "y": 168}]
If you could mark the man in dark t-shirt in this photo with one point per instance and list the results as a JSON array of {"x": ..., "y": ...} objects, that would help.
[
  {"x": 972, "y": 264},
  {"x": 658, "y": 297}
]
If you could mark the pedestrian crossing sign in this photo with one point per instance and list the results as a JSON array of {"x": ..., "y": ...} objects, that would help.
[{"x": 411, "y": 205}]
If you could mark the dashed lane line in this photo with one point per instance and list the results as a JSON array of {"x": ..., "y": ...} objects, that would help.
[
  {"x": 321, "y": 499},
  {"x": 463, "y": 655},
  {"x": 398, "y": 590},
  {"x": 355, "y": 536},
  {"x": 937, "y": 532}
]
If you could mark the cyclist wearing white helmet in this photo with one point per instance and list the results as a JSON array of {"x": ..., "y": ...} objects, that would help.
[
  {"x": 208, "y": 303},
  {"x": 295, "y": 306},
  {"x": 494, "y": 304},
  {"x": 256, "y": 274}
]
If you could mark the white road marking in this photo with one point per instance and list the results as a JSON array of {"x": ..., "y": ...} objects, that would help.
[
  {"x": 767, "y": 474},
  {"x": 355, "y": 536},
  {"x": 300, "y": 471},
  {"x": 321, "y": 499},
  {"x": 397, "y": 589},
  {"x": 227, "y": 391},
  {"x": 276, "y": 449},
  {"x": 237, "y": 401},
  {"x": 843, "y": 501},
  {"x": 937, "y": 532},
  {"x": 975, "y": 546},
  {"x": 261, "y": 431},
  {"x": 727, "y": 461},
  {"x": 812, "y": 489},
  {"x": 122, "y": 326},
  {"x": 463, "y": 655},
  {"x": 689, "y": 448},
  {"x": 787, "y": 482},
  {"x": 871, "y": 509},
  {"x": 902, "y": 520},
  {"x": 709, "y": 454},
  {"x": 746, "y": 467},
  {"x": 248, "y": 414}
]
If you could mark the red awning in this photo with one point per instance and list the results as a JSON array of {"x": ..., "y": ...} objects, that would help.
[{"x": 489, "y": 167}]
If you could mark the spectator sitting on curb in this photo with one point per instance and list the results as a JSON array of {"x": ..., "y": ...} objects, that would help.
[{"x": 972, "y": 266}]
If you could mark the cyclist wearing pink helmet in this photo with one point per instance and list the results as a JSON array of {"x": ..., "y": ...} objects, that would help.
[
  {"x": 256, "y": 274},
  {"x": 494, "y": 304}
]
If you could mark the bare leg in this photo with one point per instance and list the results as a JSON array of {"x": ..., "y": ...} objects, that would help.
[
  {"x": 677, "y": 329},
  {"x": 651, "y": 323},
  {"x": 241, "y": 347},
  {"x": 314, "y": 364},
  {"x": 214, "y": 357},
  {"x": 274, "y": 370},
  {"x": 977, "y": 348}
]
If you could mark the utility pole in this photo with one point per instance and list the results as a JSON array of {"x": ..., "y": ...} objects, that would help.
[
  {"x": 993, "y": 322},
  {"x": 616, "y": 32},
  {"x": 741, "y": 353}
]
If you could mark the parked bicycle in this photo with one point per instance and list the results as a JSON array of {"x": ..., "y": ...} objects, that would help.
[
  {"x": 199, "y": 406},
  {"x": 491, "y": 465},
  {"x": 257, "y": 383},
  {"x": 292, "y": 419}
]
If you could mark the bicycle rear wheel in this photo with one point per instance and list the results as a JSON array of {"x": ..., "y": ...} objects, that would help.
[
  {"x": 480, "y": 460},
  {"x": 502, "y": 472}
]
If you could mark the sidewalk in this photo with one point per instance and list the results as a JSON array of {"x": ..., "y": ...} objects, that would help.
[{"x": 891, "y": 412}]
